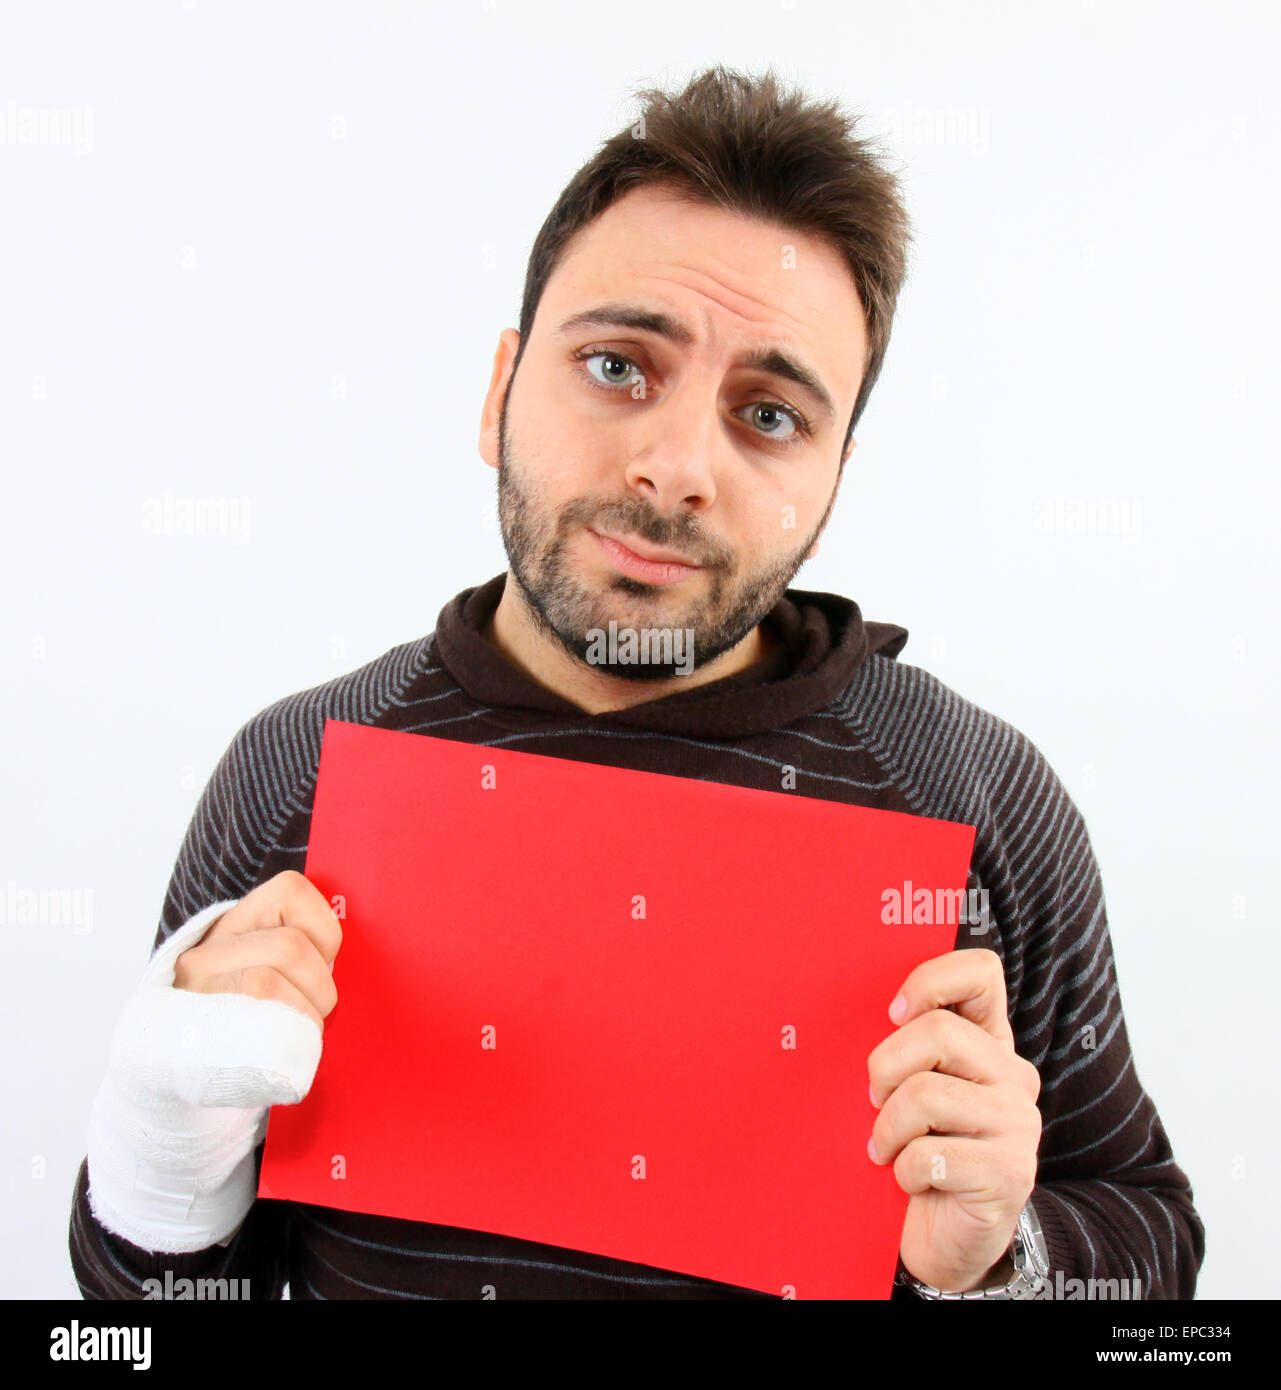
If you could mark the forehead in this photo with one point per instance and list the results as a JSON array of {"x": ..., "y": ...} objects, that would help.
[{"x": 729, "y": 277}]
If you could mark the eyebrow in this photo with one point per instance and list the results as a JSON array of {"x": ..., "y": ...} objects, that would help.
[{"x": 774, "y": 361}]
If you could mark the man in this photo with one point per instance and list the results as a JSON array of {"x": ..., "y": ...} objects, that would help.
[{"x": 705, "y": 313}]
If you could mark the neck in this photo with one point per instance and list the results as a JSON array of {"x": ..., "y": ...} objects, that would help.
[{"x": 514, "y": 632}]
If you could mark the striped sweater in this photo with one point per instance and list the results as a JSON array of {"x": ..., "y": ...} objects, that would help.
[{"x": 858, "y": 726}]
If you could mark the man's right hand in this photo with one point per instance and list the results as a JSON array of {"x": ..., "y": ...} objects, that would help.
[
  {"x": 200, "y": 1053},
  {"x": 279, "y": 942}
]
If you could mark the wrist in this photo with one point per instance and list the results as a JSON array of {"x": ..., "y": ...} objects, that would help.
[
  {"x": 1019, "y": 1274},
  {"x": 998, "y": 1276},
  {"x": 177, "y": 1178}
]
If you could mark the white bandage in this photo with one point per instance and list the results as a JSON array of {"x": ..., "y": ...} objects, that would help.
[{"x": 184, "y": 1103}]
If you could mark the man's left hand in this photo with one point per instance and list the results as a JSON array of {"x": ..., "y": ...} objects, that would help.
[{"x": 958, "y": 1120}]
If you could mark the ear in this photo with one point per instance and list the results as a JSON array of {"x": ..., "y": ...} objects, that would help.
[{"x": 499, "y": 380}]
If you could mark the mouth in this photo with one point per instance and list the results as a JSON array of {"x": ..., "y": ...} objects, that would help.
[{"x": 641, "y": 561}]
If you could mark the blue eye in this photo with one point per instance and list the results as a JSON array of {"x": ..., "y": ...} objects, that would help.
[
  {"x": 631, "y": 373},
  {"x": 780, "y": 412}
]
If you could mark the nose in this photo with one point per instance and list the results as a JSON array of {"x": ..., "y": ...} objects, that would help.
[{"x": 671, "y": 462}]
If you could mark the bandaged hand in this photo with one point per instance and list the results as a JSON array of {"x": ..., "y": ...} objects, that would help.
[{"x": 225, "y": 1023}]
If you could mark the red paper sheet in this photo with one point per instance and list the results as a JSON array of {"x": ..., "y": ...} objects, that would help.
[{"x": 514, "y": 1044}]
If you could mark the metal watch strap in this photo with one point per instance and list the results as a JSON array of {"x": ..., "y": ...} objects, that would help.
[{"x": 1031, "y": 1266}]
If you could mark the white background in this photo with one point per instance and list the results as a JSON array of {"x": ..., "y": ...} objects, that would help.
[{"x": 272, "y": 268}]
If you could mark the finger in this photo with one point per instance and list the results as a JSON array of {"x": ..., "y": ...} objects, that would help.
[
  {"x": 987, "y": 1170},
  {"x": 288, "y": 950},
  {"x": 266, "y": 982},
  {"x": 931, "y": 1103},
  {"x": 293, "y": 954},
  {"x": 290, "y": 899},
  {"x": 946, "y": 1042},
  {"x": 971, "y": 981}
]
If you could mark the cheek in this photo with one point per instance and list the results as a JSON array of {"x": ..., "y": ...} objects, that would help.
[
  {"x": 544, "y": 434},
  {"x": 785, "y": 524},
  {"x": 573, "y": 456}
]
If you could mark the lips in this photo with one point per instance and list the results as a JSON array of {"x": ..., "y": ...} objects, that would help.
[
  {"x": 656, "y": 573},
  {"x": 647, "y": 552}
]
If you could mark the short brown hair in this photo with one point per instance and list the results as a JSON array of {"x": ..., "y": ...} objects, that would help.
[{"x": 744, "y": 144}]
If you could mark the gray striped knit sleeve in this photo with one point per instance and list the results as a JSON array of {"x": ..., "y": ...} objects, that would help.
[{"x": 1113, "y": 1203}]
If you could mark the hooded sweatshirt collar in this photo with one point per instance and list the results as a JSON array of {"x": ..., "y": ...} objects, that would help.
[{"x": 823, "y": 641}]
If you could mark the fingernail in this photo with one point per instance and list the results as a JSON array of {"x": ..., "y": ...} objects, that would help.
[
  {"x": 871, "y": 1095},
  {"x": 871, "y": 1150},
  {"x": 898, "y": 1008}
]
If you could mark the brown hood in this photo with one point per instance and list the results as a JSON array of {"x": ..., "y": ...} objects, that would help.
[{"x": 823, "y": 643}]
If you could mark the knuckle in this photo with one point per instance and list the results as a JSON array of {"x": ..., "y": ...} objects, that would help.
[
  {"x": 917, "y": 1086},
  {"x": 1033, "y": 1078},
  {"x": 262, "y": 982},
  {"x": 295, "y": 943},
  {"x": 1021, "y": 1127},
  {"x": 1035, "y": 1122},
  {"x": 223, "y": 926},
  {"x": 943, "y": 1028},
  {"x": 184, "y": 976},
  {"x": 996, "y": 971},
  {"x": 287, "y": 887},
  {"x": 1027, "y": 1175}
]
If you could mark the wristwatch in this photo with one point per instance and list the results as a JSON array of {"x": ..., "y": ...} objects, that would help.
[{"x": 1031, "y": 1266}]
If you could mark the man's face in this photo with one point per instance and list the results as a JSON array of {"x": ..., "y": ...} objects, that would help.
[{"x": 615, "y": 431}]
